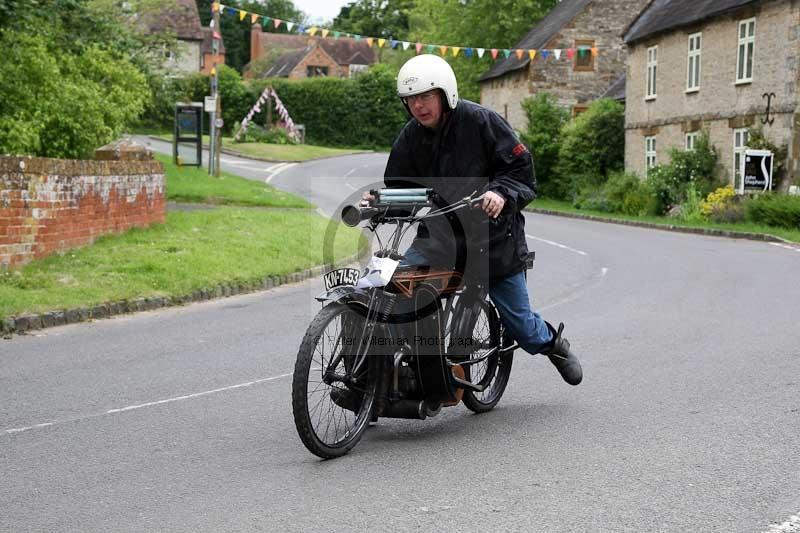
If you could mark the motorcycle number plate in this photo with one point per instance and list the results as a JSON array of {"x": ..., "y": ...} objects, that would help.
[{"x": 341, "y": 277}]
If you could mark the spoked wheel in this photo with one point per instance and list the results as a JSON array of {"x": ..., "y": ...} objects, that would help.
[
  {"x": 332, "y": 410},
  {"x": 496, "y": 369}
]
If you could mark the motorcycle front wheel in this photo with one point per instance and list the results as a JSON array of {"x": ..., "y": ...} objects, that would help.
[{"x": 331, "y": 416}]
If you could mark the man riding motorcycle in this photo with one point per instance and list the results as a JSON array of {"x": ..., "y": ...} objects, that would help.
[{"x": 457, "y": 147}]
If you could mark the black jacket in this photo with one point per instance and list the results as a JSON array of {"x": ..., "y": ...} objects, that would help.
[{"x": 475, "y": 150}]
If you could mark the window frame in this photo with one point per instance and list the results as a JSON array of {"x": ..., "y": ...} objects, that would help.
[
  {"x": 738, "y": 152},
  {"x": 652, "y": 73},
  {"x": 694, "y": 62},
  {"x": 745, "y": 45},
  {"x": 311, "y": 68},
  {"x": 690, "y": 139},
  {"x": 587, "y": 44},
  {"x": 650, "y": 155}
]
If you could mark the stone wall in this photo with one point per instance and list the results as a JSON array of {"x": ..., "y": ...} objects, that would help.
[
  {"x": 601, "y": 22},
  {"x": 720, "y": 105},
  {"x": 52, "y": 205}
]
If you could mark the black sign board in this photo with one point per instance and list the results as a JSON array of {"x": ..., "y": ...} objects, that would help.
[
  {"x": 188, "y": 134},
  {"x": 756, "y": 171}
]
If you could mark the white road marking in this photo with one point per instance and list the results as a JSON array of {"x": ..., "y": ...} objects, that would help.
[
  {"x": 148, "y": 404},
  {"x": 558, "y": 245},
  {"x": 277, "y": 169},
  {"x": 792, "y": 525},
  {"x": 351, "y": 187},
  {"x": 786, "y": 246}
]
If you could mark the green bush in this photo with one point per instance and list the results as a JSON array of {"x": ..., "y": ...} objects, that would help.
[
  {"x": 592, "y": 146},
  {"x": 259, "y": 134},
  {"x": 545, "y": 120},
  {"x": 59, "y": 104},
  {"x": 621, "y": 193},
  {"x": 698, "y": 168},
  {"x": 774, "y": 209}
]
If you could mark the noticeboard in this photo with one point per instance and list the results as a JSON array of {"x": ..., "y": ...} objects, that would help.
[
  {"x": 756, "y": 171},
  {"x": 187, "y": 145}
]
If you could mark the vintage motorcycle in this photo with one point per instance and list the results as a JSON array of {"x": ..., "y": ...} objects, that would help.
[{"x": 396, "y": 341}]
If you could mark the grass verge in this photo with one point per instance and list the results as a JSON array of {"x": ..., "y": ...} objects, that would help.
[
  {"x": 191, "y": 251},
  {"x": 746, "y": 227},
  {"x": 277, "y": 152},
  {"x": 193, "y": 184}
]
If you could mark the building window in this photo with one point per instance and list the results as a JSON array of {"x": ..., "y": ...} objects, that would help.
[
  {"x": 649, "y": 153},
  {"x": 744, "y": 57},
  {"x": 652, "y": 70},
  {"x": 740, "y": 138},
  {"x": 691, "y": 140},
  {"x": 313, "y": 72},
  {"x": 693, "y": 69},
  {"x": 355, "y": 69},
  {"x": 584, "y": 59}
]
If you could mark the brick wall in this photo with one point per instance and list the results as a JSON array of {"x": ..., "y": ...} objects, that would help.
[
  {"x": 720, "y": 105},
  {"x": 318, "y": 58},
  {"x": 52, "y": 205}
]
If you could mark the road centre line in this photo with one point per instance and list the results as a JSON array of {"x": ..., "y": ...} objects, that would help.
[
  {"x": 558, "y": 245},
  {"x": 148, "y": 404}
]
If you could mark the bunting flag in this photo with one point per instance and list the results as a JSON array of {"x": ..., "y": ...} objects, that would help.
[
  {"x": 216, "y": 35},
  {"x": 469, "y": 52},
  {"x": 269, "y": 92}
]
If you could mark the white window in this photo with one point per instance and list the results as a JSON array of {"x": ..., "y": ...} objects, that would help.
[
  {"x": 691, "y": 140},
  {"x": 740, "y": 139},
  {"x": 355, "y": 69},
  {"x": 652, "y": 67},
  {"x": 649, "y": 153},
  {"x": 693, "y": 68},
  {"x": 744, "y": 57}
]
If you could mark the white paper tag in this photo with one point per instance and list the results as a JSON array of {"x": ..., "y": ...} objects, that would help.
[{"x": 378, "y": 272}]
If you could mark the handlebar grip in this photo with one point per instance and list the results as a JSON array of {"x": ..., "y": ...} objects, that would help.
[{"x": 352, "y": 215}]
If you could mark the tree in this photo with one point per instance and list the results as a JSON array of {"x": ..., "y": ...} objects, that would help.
[
  {"x": 375, "y": 18},
  {"x": 545, "y": 120}
]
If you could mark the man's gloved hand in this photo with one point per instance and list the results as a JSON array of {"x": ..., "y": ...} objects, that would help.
[
  {"x": 367, "y": 199},
  {"x": 492, "y": 204}
]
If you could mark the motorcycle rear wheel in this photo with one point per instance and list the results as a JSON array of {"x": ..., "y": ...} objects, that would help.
[
  {"x": 487, "y": 334},
  {"x": 327, "y": 428}
]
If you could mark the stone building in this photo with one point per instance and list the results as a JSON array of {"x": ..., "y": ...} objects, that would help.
[
  {"x": 192, "y": 53},
  {"x": 709, "y": 65},
  {"x": 593, "y": 26},
  {"x": 304, "y": 56}
]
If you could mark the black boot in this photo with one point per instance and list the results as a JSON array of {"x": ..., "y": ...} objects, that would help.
[
  {"x": 562, "y": 357},
  {"x": 345, "y": 398}
]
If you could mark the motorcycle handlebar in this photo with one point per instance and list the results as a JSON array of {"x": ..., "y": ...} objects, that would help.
[{"x": 353, "y": 215}]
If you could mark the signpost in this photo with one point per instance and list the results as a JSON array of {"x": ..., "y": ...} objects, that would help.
[{"x": 756, "y": 171}]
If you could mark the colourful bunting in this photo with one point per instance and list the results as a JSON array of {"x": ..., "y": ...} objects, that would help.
[
  {"x": 393, "y": 44},
  {"x": 325, "y": 33},
  {"x": 494, "y": 53},
  {"x": 594, "y": 52},
  {"x": 277, "y": 23},
  {"x": 455, "y": 50},
  {"x": 381, "y": 42},
  {"x": 557, "y": 53},
  {"x": 253, "y": 18},
  {"x": 336, "y": 34},
  {"x": 545, "y": 54},
  {"x": 443, "y": 50},
  {"x": 242, "y": 14},
  {"x": 532, "y": 54},
  {"x": 369, "y": 42},
  {"x": 429, "y": 48},
  {"x": 468, "y": 52},
  {"x": 312, "y": 30},
  {"x": 520, "y": 53},
  {"x": 216, "y": 35},
  {"x": 506, "y": 52},
  {"x": 570, "y": 53},
  {"x": 406, "y": 44},
  {"x": 215, "y": 7},
  {"x": 481, "y": 51}
]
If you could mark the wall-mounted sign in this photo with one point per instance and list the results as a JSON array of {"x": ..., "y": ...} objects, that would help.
[{"x": 756, "y": 171}]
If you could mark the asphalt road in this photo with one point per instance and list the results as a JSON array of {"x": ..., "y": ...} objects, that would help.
[{"x": 180, "y": 420}]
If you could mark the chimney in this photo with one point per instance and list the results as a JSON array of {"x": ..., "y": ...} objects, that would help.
[{"x": 255, "y": 42}]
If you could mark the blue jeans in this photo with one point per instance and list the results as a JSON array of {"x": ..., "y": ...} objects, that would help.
[{"x": 510, "y": 296}]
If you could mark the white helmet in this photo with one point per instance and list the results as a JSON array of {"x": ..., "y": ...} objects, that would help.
[{"x": 425, "y": 72}]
